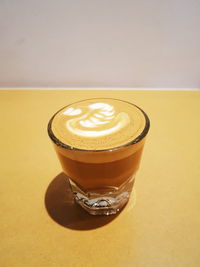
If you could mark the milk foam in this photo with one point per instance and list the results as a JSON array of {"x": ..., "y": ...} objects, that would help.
[
  {"x": 95, "y": 120},
  {"x": 97, "y": 124}
]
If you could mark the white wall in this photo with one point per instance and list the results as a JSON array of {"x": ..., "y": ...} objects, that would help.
[{"x": 100, "y": 43}]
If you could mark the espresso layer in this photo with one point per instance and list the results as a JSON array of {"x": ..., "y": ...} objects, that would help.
[{"x": 97, "y": 124}]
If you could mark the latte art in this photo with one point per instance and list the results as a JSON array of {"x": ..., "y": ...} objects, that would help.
[
  {"x": 96, "y": 120},
  {"x": 97, "y": 124}
]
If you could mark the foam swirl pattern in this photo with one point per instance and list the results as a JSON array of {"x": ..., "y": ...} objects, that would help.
[
  {"x": 96, "y": 120},
  {"x": 97, "y": 124}
]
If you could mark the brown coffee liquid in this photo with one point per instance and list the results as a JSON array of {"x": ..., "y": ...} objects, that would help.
[{"x": 91, "y": 175}]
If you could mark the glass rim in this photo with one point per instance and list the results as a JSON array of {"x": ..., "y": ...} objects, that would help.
[{"x": 68, "y": 147}]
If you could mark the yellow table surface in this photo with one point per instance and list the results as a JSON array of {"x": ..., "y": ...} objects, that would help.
[{"x": 41, "y": 226}]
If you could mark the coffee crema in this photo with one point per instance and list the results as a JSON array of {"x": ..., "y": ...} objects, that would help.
[{"x": 98, "y": 124}]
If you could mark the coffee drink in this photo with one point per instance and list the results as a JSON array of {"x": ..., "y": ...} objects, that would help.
[{"x": 99, "y": 143}]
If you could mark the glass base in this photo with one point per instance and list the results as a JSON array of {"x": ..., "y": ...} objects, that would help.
[{"x": 103, "y": 201}]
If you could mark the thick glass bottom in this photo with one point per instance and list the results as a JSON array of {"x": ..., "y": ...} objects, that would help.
[{"x": 103, "y": 201}]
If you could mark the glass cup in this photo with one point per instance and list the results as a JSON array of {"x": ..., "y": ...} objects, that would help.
[{"x": 102, "y": 179}]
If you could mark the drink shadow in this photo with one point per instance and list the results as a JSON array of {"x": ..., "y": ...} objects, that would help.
[{"x": 62, "y": 209}]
